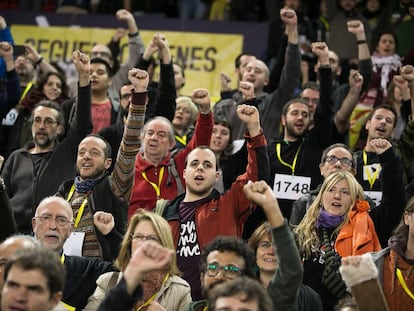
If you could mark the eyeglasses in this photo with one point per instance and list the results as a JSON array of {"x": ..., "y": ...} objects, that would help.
[
  {"x": 48, "y": 122},
  {"x": 126, "y": 96},
  {"x": 265, "y": 244},
  {"x": 344, "y": 161},
  {"x": 229, "y": 271},
  {"x": 101, "y": 54},
  {"x": 61, "y": 221},
  {"x": 141, "y": 237}
]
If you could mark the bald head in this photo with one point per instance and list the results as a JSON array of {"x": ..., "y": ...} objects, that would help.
[
  {"x": 10, "y": 246},
  {"x": 53, "y": 222}
]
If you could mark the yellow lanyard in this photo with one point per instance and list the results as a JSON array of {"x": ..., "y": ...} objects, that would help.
[
  {"x": 81, "y": 208},
  {"x": 371, "y": 178},
  {"x": 146, "y": 303},
  {"x": 403, "y": 284},
  {"x": 26, "y": 90},
  {"x": 181, "y": 140},
  {"x": 68, "y": 307},
  {"x": 156, "y": 187},
  {"x": 205, "y": 308},
  {"x": 293, "y": 166}
]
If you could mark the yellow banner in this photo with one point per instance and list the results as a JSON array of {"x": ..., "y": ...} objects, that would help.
[{"x": 204, "y": 55}]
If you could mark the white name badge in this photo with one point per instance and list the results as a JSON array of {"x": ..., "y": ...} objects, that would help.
[
  {"x": 74, "y": 244},
  {"x": 10, "y": 118},
  {"x": 371, "y": 171},
  {"x": 291, "y": 187},
  {"x": 375, "y": 196}
]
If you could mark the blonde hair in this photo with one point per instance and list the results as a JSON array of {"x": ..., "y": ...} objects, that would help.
[
  {"x": 306, "y": 234},
  {"x": 190, "y": 105},
  {"x": 163, "y": 231}
]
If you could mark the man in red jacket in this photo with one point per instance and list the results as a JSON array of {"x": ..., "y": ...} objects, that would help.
[{"x": 202, "y": 213}]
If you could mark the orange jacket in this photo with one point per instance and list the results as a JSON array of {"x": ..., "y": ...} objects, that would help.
[{"x": 358, "y": 236}]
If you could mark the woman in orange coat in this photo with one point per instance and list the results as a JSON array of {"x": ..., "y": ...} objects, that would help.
[{"x": 336, "y": 225}]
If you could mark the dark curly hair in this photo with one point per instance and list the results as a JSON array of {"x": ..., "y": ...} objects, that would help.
[{"x": 231, "y": 244}]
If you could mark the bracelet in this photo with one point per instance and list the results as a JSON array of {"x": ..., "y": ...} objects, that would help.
[
  {"x": 39, "y": 61},
  {"x": 361, "y": 41}
]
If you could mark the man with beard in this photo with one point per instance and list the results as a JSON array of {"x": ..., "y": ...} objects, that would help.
[
  {"x": 380, "y": 126},
  {"x": 93, "y": 190},
  {"x": 201, "y": 213},
  {"x": 307, "y": 130},
  {"x": 36, "y": 171}
]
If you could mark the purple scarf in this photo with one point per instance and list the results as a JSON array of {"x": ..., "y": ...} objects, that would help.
[{"x": 326, "y": 220}]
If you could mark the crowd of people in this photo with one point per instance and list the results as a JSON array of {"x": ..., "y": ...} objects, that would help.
[{"x": 118, "y": 192}]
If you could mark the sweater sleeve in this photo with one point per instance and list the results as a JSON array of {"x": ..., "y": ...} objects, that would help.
[
  {"x": 123, "y": 174},
  {"x": 284, "y": 286},
  {"x": 119, "y": 299}
]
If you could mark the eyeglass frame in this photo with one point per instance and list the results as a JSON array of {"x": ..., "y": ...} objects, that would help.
[
  {"x": 344, "y": 161},
  {"x": 60, "y": 221},
  {"x": 225, "y": 270},
  {"x": 141, "y": 238},
  {"x": 48, "y": 122}
]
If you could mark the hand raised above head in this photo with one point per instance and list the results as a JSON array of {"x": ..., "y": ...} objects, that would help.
[
  {"x": 288, "y": 16},
  {"x": 407, "y": 72},
  {"x": 6, "y": 49},
  {"x": 81, "y": 62},
  {"x": 201, "y": 97},
  {"x": 355, "y": 27},
  {"x": 139, "y": 79},
  {"x": 355, "y": 79},
  {"x": 320, "y": 49}
]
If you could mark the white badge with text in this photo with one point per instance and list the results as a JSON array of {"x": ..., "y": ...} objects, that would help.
[
  {"x": 375, "y": 196},
  {"x": 74, "y": 244},
  {"x": 372, "y": 171},
  {"x": 291, "y": 187},
  {"x": 10, "y": 118}
]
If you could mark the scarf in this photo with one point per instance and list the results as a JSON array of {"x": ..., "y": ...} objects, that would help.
[
  {"x": 86, "y": 185},
  {"x": 385, "y": 65},
  {"x": 151, "y": 285},
  {"x": 326, "y": 220}
]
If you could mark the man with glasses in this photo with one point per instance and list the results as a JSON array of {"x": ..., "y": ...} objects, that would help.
[
  {"x": 36, "y": 171},
  {"x": 52, "y": 224}
]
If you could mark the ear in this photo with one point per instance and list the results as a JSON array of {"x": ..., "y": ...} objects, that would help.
[
  {"x": 218, "y": 173},
  {"x": 339, "y": 71},
  {"x": 34, "y": 224},
  {"x": 172, "y": 144},
  {"x": 202, "y": 279},
  {"x": 368, "y": 124},
  {"x": 283, "y": 119},
  {"x": 320, "y": 167},
  {"x": 184, "y": 173},
  {"x": 55, "y": 299},
  {"x": 406, "y": 220},
  {"x": 60, "y": 130},
  {"x": 108, "y": 162}
]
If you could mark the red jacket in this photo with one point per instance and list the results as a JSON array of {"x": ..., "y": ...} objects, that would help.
[
  {"x": 143, "y": 194},
  {"x": 224, "y": 214}
]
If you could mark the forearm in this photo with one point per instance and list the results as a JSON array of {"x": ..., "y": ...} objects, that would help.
[
  {"x": 342, "y": 116},
  {"x": 123, "y": 174}
]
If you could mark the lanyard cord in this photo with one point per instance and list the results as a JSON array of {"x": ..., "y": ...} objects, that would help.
[
  {"x": 26, "y": 90},
  {"x": 293, "y": 165},
  {"x": 146, "y": 303},
  {"x": 156, "y": 187},
  {"x": 403, "y": 284},
  {"x": 81, "y": 208},
  {"x": 181, "y": 140}
]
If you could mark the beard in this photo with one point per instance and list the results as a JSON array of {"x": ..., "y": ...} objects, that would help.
[
  {"x": 43, "y": 142},
  {"x": 100, "y": 171},
  {"x": 291, "y": 131}
]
